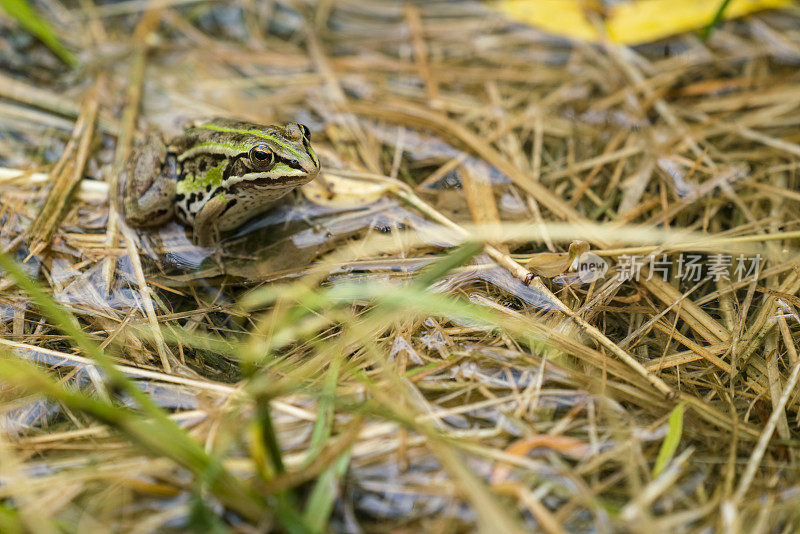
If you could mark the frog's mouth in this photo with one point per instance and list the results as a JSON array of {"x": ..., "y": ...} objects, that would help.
[{"x": 275, "y": 182}]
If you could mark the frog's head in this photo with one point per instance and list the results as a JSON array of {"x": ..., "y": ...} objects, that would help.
[
  {"x": 246, "y": 155},
  {"x": 279, "y": 156}
]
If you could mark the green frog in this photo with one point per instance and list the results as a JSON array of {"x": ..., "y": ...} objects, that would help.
[{"x": 215, "y": 175}]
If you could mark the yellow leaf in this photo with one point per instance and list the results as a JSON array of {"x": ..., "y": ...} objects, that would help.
[
  {"x": 562, "y": 17},
  {"x": 649, "y": 20},
  {"x": 633, "y": 22}
]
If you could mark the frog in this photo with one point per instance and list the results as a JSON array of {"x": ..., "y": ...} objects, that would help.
[{"x": 215, "y": 175}]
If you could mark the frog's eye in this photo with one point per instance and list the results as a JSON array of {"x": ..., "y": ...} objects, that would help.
[{"x": 262, "y": 157}]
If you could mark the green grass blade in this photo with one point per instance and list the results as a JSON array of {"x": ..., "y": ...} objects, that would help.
[
  {"x": 671, "y": 440},
  {"x": 23, "y": 13},
  {"x": 325, "y": 411},
  {"x": 320, "y": 502},
  {"x": 706, "y": 32},
  {"x": 456, "y": 258},
  {"x": 10, "y": 521},
  {"x": 155, "y": 436},
  {"x": 69, "y": 325},
  {"x": 152, "y": 430},
  {"x": 288, "y": 516},
  {"x": 202, "y": 518},
  {"x": 267, "y": 433}
]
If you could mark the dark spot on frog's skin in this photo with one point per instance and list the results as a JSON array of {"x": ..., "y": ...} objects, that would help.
[
  {"x": 203, "y": 165},
  {"x": 291, "y": 163},
  {"x": 182, "y": 211},
  {"x": 180, "y": 197},
  {"x": 208, "y": 188},
  {"x": 230, "y": 204},
  {"x": 192, "y": 198}
]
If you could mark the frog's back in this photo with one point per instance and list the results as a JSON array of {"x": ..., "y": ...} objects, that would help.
[{"x": 228, "y": 137}]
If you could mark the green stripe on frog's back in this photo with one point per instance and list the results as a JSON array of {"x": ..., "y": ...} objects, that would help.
[
  {"x": 212, "y": 147},
  {"x": 256, "y": 133}
]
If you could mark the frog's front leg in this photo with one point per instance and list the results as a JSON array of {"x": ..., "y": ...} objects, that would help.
[
  {"x": 148, "y": 184},
  {"x": 206, "y": 232}
]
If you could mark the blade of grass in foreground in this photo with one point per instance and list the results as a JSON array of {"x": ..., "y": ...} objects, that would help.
[
  {"x": 23, "y": 13},
  {"x": 320, "y": 502},
  {"x": 453, "y": 260},
  {"x": 384, "y": 304},
  {"x": 705, "y": 33},
  {"x": 153, "y": 432},
  {"x": 69, "y": 325},
  {"x": 324, "y": 493},
  {"x": 671, "y": 440},
  {"x": 325, "y": 412},
  {"x": 202, "y": 517},
  {"x": 151, "y": 435},
  {"x": 10, "y": 521}
]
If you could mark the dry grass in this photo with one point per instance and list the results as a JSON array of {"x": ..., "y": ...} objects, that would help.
[{"x": 377, "y": 355}]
